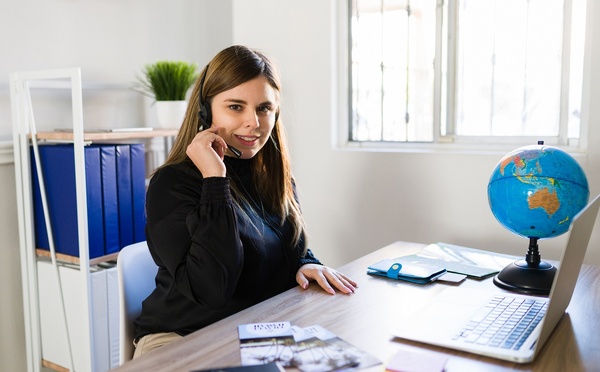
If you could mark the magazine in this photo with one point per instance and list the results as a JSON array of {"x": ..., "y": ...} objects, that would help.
[
  {"x": 318, "y": 349},
  {"x": 457, "y": 259},
  {"x": 267, "y": 367},
  {"x": 262, "y": 343},
  {"x": 310, "y": 349}
]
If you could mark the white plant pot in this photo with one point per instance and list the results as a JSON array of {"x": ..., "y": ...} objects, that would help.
[{"x": 170, "y": 114}]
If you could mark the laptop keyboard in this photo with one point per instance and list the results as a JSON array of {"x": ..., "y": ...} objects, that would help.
[{"x": 505, "y": 322}]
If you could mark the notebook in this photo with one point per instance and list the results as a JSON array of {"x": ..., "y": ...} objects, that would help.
[{"x": 441, "y": 322}]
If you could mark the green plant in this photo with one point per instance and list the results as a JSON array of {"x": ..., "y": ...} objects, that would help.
[{"x": 166, "y": 80}]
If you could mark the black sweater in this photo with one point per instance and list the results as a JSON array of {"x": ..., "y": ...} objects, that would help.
[{"x": 211, "y": 261}]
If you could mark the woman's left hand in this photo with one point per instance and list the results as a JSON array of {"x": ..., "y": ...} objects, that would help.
[{"x": 326, "y": 277}]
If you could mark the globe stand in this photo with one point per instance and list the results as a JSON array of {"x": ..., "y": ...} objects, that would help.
[{"x": 530, "y": 276}]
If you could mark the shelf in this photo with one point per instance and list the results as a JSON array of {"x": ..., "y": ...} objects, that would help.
[
  {"x": 54, "y": 366},
  {"x": 75, "y": 260},
  {"x": 90, "y": 345},
  {"x": 107, "y": 136}
]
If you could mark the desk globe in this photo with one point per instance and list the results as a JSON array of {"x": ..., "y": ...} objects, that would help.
[{"x": 534, "y": 192}]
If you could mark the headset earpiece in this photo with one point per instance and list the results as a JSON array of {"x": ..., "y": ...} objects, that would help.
[{"x": 204, "y": 114}]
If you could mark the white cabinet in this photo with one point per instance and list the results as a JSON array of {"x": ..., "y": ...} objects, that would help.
[
  {"x": 104, "y": 313},
  {"x": 69, "y": 309}
]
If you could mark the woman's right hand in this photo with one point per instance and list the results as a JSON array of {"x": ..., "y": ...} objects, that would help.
[{"x": 207, "y": 151}]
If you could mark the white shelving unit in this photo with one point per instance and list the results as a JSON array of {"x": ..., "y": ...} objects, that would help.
[{"x": 24, "y": 136}]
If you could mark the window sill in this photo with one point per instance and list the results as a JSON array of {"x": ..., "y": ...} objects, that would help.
[{"x": 446, "y": 148}]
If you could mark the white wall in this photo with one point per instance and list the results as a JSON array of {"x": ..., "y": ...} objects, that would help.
[
  {"x": 110, "y": 41},
  {"x": 12, "y": 337},
  {"x": 355, "y": 202}
]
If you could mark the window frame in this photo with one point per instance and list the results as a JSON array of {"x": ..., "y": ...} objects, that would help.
[{"x": 341, "y": 132}]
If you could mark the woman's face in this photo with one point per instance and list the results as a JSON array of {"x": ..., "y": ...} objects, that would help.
[{"x": 245, "y": 115}]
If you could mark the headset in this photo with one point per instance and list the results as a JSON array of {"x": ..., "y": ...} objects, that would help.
[{"x": 205, "y": 114}]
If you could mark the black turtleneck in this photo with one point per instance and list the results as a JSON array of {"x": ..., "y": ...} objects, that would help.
[{"x": 213, "y": 260}]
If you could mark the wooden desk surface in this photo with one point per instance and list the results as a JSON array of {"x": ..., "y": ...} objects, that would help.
[{"x": 363, "y": 319}]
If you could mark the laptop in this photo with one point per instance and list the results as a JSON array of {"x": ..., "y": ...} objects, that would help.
[{"x": 451, "y": 318}]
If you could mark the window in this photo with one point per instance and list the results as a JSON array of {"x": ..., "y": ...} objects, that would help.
[{"x": 465, "y": 71}]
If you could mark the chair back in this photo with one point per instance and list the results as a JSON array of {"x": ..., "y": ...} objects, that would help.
[{"x": 136, "y": 271}]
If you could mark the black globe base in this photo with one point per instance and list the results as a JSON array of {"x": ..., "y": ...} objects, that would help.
[{"x": 521, "y": 277}]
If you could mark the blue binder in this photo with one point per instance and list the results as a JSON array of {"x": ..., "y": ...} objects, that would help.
[
  {"x": 58, "y": 167},
  {"x": 125, "y": 193},
  {"x": 110, "y": 199},
  {"x": 138, "y": 188}
]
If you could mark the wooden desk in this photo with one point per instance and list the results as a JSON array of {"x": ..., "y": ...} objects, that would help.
[{"x": 363, "y": 319}]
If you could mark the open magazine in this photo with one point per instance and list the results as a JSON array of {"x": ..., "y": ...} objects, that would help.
[
  {"x": 472, "y": 262},
  {"x": 310, "y": 349}
]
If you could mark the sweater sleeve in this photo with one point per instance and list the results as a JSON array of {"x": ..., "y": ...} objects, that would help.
[
  {"x": 308, "y": 258},
  {"x": 192, "y": 232}
]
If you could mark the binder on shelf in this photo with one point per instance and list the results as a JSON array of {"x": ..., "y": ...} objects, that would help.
[
  {"x": 112, "y": 284},
  {"x": 108, "y": 162},
  {"x": 138, "y": 188},
  {"x": 124, "y": 191},
  {"x": 58, "y": 169}
]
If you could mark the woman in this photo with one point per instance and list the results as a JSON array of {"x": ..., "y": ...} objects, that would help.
[{"x": 223, "y": 222}]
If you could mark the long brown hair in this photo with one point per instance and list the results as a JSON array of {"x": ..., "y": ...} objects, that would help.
[{"x": 271, "y": 165}]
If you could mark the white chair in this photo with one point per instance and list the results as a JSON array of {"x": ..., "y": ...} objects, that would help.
[{"x": 136, "y": 272}]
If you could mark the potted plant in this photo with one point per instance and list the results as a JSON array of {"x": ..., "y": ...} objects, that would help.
[{"x": 167, "y": 82}]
